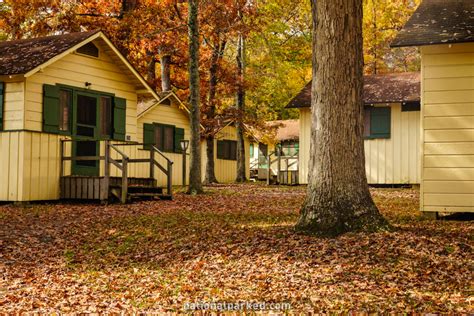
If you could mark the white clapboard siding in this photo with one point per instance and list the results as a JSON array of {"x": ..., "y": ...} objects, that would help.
[
  {"x": 448, "y": 128},
  {"x": 395, "y": 160}
]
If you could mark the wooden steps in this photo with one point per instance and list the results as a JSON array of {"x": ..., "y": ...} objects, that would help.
[{"x": 94, "y": 188}]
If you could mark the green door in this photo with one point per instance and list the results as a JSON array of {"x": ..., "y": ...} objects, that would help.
[{"x": 86, "y": 132}]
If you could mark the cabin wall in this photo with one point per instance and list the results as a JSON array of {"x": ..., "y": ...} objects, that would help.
[
  {"x": 30, "y": 167},
  {"x": 448, "y": 128},
  {"x": 304, "y": 143},
  {"x": 395, "y": 160},
  {"x": 387, "y": 161},
  {"x": 225, "y": 170},
  {"x": 75, "y": 70},
  {"x": 171, "y": 115},
  {"x": 13, "y": 112}
]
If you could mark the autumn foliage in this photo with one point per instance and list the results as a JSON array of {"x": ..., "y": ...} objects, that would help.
[
  {"x": 235, "y": 243},
  {"x": 278, "y": 38}
]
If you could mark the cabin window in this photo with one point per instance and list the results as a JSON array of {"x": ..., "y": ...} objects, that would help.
[
  {"x": 289, "y": 148},
  {"x": 105, "y": 117},
  {"x": 411, "y": 106},
  {"x": 80, "y": 112},
  {"x": 166, "y": 138},
  {"x": 89, "y": 49},
  {"x": 227, "y": 149},
  {"x": 377, "y": 122}
]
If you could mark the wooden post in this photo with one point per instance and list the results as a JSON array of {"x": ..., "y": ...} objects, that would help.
[
  {"x": 170, "y": 178},
  {"x": 279, "y": 166},
  {"x": 124, "y": 180},
  {"x": 106, "y": 186},
  {"x": 269, "y": 161},
  {"x": 152, "y": 163},
  {"x": 184, "y": 168},
  {"x": 61, "y": 154}
]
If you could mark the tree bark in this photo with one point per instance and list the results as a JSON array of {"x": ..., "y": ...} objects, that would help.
[
  {"x": 195, "y": 185},
  {"x": 210, "y": 176},
  {"x": 338, "y": 198},
  {"x": 151, "y": 69},
  {"x": 165, "y": 73},
  {"x": 217, "y": 54},
  {"x": 241, "y": 176}
]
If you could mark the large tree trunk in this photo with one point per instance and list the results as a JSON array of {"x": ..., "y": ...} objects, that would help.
[
  {"x": 210, "y": 176},
  {"x": 217, "y": 54},
  {"x": 165, "y": 73},
  {"x": 151, "y": 69},
  {"x": 195, "y": 185},
  {"x": 241, "y": 176},
  {"x": 338, "y": 198}
]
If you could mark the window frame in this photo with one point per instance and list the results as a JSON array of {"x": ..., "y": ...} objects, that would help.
[
  {"x": 98, "y": 95},
  {"x": 228, "y": 152},
  {"x": 368, "y": 121},
  {"x": 163, "y": 136}
]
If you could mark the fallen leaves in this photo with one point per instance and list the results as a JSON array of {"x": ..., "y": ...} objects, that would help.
[{"x": 235, "y": 243}]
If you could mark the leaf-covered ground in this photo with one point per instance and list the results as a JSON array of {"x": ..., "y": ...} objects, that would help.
[{"x": 235, "y": 243}]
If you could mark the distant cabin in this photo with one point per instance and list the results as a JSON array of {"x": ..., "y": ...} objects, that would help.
[
  {"x": 444, "y": 31},
  {"x": 281, "y": 142},
  {"x": 391, "y": 129},
  {"x": 225, "y": 153}
]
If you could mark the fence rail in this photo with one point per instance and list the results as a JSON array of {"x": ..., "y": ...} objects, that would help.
[{"x": 121, "y": 164}]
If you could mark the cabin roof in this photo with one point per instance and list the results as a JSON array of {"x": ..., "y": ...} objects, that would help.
[
  {"x": 438, "y": 22},
  {"x": 384, "y": 88},
  {"x": 22, "y": 56},
  {"x": 28, "y": 56},
  {"x": 286, "y": 129}
]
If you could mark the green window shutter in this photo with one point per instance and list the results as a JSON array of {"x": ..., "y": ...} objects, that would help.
[
  {"x": 251, "y": 150},
  {"x": 148, "y": 135},
  {"x": 120, "y": 106},
  {"x": 220, "y": 149},
  {"x": 178, "y": 137},
  {"x": 2, "y": 93},
  {"x": 380, "y": 122},
  {"x": 50, "y": 108}
]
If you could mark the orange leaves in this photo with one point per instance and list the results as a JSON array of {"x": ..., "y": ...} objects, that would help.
[{"x": 235, "y": 243}]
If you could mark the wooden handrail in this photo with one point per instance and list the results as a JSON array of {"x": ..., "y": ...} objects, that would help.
[
  {"x": 123, "y": 166},
  {"x": 168, "y": 171},
  {"x": 121, "y": 163}
]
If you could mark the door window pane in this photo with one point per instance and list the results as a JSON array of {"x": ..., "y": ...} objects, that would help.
[
  {"x": 86, "y": 110},
  {"x": 86, "y": 149}
]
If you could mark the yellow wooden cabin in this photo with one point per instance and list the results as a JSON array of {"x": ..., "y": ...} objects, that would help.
[
  {"x": 392, "y": 129},
  {"x": 68, "y": 122},
  {"x": 170, "y": 116},
  {"x": 225, "y": 154},
  {"x": 444, "y": 31},
  {"x": 274, "y": 154}
]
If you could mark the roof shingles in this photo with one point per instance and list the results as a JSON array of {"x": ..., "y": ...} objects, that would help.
[
  {"x": 385, "y": 88},
  {"x": 438, "y": 22},
  {"x": 21, "y": 56}
]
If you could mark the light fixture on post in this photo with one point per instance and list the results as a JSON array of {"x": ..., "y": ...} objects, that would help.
[{"x": 184, "y": 147}]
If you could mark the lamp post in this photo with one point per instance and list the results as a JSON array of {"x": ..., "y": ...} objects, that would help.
[{"x": 184, "y": 147}]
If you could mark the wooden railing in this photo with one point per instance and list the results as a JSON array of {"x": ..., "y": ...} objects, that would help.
[
  {"x": 122, "y": 164},
  {"x": 278, "y": 159}
]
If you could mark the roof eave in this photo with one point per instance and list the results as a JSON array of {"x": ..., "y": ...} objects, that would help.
[{"x": 418, "y": 44}]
